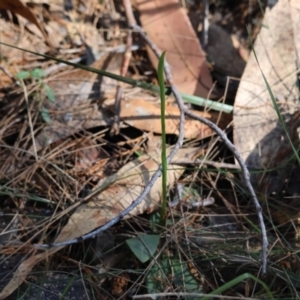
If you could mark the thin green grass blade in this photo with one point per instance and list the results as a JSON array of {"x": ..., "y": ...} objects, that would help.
[
  {"x": 280, "y": 118},
  {"x": 143, "y": 246},
  {"x": 144, "y": 85},
  {"x": 236, "y": 281},
  {"x": 14, "y": 193},
  {"x": 67, "y": 288}
]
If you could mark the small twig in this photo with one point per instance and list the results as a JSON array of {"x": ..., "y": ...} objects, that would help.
[
  {"x": 217, "y": 165},
  {"x": 7, "y": 73},
  {"x": 115, "y": 129},
  {"x": 187, "y": 295},
  {"x": 29, "y": 119},
  {"x": 129, "y": 14},
  {"x": 83, "y": 281}
]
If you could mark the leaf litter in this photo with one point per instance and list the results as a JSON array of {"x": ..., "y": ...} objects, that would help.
[{"x": 69, "y": 153}]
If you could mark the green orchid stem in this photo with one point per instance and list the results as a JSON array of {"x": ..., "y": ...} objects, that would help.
[
  {"x": 136, "y": 83},
  {"x": 161, "y": 81}
]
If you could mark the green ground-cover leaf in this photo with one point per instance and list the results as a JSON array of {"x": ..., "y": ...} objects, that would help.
[{"x": 143, "y": 246}]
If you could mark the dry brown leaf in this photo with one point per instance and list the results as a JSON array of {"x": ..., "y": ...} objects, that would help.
[
  {"x": 145, "y": 115},
  {"x": 86, "y": 152},
  {"x": 89, "y": 159},
  {"x": 258, "y": 135},
  {"x": 17, "y": 7},
  {"x": 125, "y": 187},
  {"x": 295, "y": 9},
  {"x": 15, "y": 57},
  {"x": 169, "y": 28}
]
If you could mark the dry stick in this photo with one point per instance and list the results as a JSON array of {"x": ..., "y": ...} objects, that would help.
[
  {"x": 29, "y": 119},
  {"x": 115, "y": 129},
  {"x": 129, "y": 14},
  {"x": 246, "y": 176},
  {"x": 217, "y": 165},
  {"x": 227, "y": 142}
]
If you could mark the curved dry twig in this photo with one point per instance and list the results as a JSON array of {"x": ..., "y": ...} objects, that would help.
[
  {"x": 246, "y": 176},
  {"x": 227, "y": 142},
  {"x": 149, "y": 185},
  {"x": 183, "y": 111}
]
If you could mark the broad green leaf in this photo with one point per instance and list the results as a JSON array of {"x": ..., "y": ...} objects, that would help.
[
  {"x": 49, "y": 93},
  {"x": 143, "y": 246},
  {"x": 38, "y": 73},
  {"x": 23, "y": 75},
  {"x": 45, "y": 115}
]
